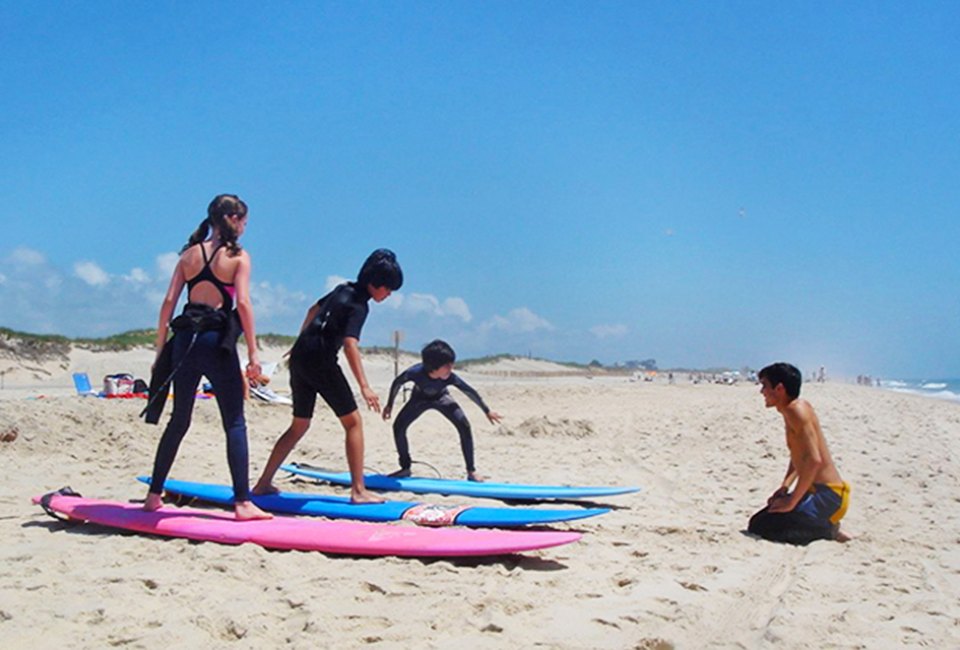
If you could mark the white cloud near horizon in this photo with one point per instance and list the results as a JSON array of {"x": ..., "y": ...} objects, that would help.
[
  {"x": 26, "y": 256},
  {"x": 137, "y": 276},
  {"x": 424, "y": 303},
  {"x": 274, "y": 303},
  {"x": 91, "y": 273},
  {"x": 518, "y": 320},
  {"x": 166, "y": 263},
  {"x": 609, "y": 331},
  {"x": 70, "y": 300}
]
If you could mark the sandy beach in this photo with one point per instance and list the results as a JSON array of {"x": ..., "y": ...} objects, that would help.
[{"x": 669, "y": 567}]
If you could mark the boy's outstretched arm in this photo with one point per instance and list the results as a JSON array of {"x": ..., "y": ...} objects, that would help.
[
  {"x": 351, "y": 349},
  {"x": 472, "y": 393}
]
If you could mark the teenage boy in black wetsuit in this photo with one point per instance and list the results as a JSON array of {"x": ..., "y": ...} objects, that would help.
[
  {"x": 333, "y": 322},
  {"x": 430, "y": 381}
]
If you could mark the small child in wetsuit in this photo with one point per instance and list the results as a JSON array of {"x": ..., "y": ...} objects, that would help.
[
  {"x": 431, "y": 378},
  {"x": 333, "y": 322}
]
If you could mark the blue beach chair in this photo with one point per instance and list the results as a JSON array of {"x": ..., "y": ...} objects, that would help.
[{"x": 81, "y": 382}]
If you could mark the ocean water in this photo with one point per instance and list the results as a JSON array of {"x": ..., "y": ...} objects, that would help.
[{"x": 938, "y": 388}]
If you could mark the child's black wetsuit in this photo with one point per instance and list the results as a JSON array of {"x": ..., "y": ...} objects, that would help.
[
  {"x": 313, "y": 359},
  {"x": 432, "y": 394}
]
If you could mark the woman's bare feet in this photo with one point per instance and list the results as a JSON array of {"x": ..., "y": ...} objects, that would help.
[
  {"x": 153, "y": 502},
  {"x": 246, "y": 510},
  {"x": 365, "y": 496}
]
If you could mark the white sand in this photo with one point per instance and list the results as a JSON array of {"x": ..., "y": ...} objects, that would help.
[{"x": 668, "y": 568}]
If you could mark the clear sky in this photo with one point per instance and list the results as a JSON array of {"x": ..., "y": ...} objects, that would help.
[{"x": 702, "y": 183}]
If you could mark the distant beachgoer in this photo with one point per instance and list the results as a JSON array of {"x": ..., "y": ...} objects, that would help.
[
  {"x": 431, "y": 378},
  {"x": 216, "y": 272},
  {"x": 332, "y": 323},
  {"x": 813, "y": 508}
]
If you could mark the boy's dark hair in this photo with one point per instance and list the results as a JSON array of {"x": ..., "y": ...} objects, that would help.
[
  {"x": 437, "y": 354},
  {"x": 381, "y": 270},
  {"x": 783, "y": 373}
]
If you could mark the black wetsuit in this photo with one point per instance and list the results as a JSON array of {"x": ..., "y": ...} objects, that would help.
[
  {"x": 313, "y": 359},
  {"x": 432, "y": 394},
  {"x": 204, "y": 343}
]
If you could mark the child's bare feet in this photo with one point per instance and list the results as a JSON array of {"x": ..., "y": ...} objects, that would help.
[
  {"x": 153, "y": 502},
  {"x": 246, "y": 510},
  {"x": 365, "y": 496},
  {"x": 843, "y": 536},
  {"x": 262, "y": 490}
]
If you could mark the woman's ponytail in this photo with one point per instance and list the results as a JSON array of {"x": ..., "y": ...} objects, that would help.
[{"x": 198, "y": 235}]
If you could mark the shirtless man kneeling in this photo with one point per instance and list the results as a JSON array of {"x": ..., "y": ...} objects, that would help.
[{"x": 819, "y": 499}]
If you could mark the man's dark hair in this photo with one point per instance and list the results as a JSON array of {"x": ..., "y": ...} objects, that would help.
[
  {"x": 381, "y": 270},
  {"x": 783, "y": 373},
  {"x": 437, "y": 354}
]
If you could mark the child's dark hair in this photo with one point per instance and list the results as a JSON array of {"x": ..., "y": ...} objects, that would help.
[
  {"x": 221, "y": 206},
  {"x": 783, "y": 373},
  {"x": 381, "y": 270},
  {"x": 437, "y": 354}
]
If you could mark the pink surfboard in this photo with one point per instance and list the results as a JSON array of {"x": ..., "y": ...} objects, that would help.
[{"x": 291, "y": 533}]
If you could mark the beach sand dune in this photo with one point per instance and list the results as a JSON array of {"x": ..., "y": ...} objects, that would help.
[{"x": 669, "y": 568}]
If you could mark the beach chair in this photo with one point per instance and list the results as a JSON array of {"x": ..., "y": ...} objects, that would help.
[
  {"x": 267, "y": 394},
  {"x": 81, "y": 382}
]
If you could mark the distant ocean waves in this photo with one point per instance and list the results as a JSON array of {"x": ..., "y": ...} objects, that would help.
[{"x": 939, "y": 388}]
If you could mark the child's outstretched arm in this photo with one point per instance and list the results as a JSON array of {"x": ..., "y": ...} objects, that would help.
[
  {"x": 471, "y": 392},
  {"x": 351, "y": 349}
]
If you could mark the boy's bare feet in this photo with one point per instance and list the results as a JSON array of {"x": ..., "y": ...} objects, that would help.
[
  {"x": 246, "y": 511},
  {"x": 153, "y": 502},
  {"x": 262, "y": 490},
  {"x": 843, "y": 536},
  {"x": 365, "y": 496}
]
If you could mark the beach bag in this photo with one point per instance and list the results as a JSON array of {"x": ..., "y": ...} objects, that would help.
[{"x": 119, "y": 384}]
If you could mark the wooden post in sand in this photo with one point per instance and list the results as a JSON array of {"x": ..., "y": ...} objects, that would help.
[{"x": 397, "y": 337}]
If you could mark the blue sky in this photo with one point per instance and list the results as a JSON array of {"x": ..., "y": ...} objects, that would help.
[{"x": 722, "y": 183}]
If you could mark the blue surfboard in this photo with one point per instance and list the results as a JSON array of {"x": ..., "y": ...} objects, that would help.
[
  {"x": 337, "y": 507},
  {"x": 418, "y": 485}
]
